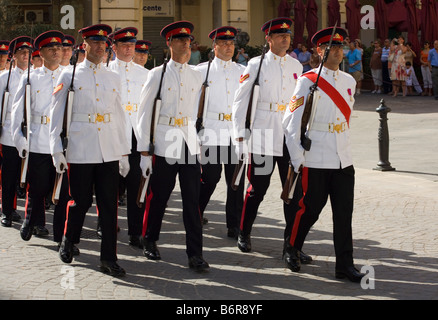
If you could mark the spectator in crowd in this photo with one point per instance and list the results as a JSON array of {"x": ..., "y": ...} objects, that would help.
[
  {"x": 410, "y": 55},
  {"x": 425, "y": 70},
  {"x": 304, "y": 58},
  {"x": 376, "y": 67},
  {"x": 315, "y": 59},
  {"x": 387, "y": 87},
  {"x": 345, "y": 48},
  {"x": 355, "y": 65},
  {"x": 195, "y": 57},
  {"x": 433, "y": 65},
  {"x": 398, "y": 70},
  {"x": 409, "y": 72},
  {"x": 291, "y": 52},
  {"x": 359, "y": 46},
  {"x": 297, "y": 50},
  {"x": 242, "y": 57}
]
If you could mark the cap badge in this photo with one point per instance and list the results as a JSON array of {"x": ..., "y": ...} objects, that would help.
[
  {"x": 101, "y": 32},
  {"x": 183, "y": 30},
  {"x": 129, "y": 34}
]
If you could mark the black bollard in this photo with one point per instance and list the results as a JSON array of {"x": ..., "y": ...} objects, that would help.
[{"x": 383, "y": 137}]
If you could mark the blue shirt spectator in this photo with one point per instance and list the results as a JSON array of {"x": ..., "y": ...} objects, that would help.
[
  {"x": 385, "y": 51},
  {"x": 304, "y": 58},
  {"x": 353, "y": 57},
  {"x": 433, "y": 57}
]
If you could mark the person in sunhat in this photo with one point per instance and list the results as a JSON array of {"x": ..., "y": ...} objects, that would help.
[
  {"x": 4, "y": 53},
  {"x": 19, "y": 50},
  {"x": 176, "y": 144},
  {"x": 218, "y": 138},
  {"x": 41, "y": 172},
  {"x": 327, "y": 168},
  {"x": 133, "y": 77},
  {"x": 141, "y": 55},
  {"x": 97, "y": 141},
  {"x": 278, "y": 76}
]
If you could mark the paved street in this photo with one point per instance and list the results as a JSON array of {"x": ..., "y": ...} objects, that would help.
[{"x": 395, "y": 229}]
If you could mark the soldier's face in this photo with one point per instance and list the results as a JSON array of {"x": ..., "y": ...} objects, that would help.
[
  {"x": 336, "y": 54},
  {"x": 94, "y": 50},
  {"x": 22, "y": 58},
  {"x": 180, "y": 47},
  {"x": 224, "y": 49},
  {"x": 141, "y": 58},
  {"x": 124, "y": 50},
  {"x": 67, "y": 53},
  {"x": 52, "y": 55},
  {"x": 279, "y": 42}
]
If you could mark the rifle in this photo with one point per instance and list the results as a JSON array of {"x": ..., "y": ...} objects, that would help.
[
  {"x": 65, "y": 129},
  {"x": 25, "y": 124},
  {"x": 250, "y": 114},
  {"x": 110, "y": 53},
  {"x": 203, "y": 100},
  {"x": 6, "y": 94},
  {"x": 144, "y": 182},
  {"x": 306, "y": 143}
]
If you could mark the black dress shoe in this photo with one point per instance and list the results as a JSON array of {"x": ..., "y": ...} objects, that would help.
[
  {"x": 112, "y": 268},
  {"x": 304, "y": 258},
  {"x": 198, "y": 264},
  {"x": 15, "y": 216},
  {"x": 351, "y": 273},
  {"x": 6, "y": 221},
  {"x": 99, "y": 231},
  {"x": 40, "y": 231},
  {"x": 136, "y": 241},
  {"x": 66, "y": 250},
  {"x": 26, "y": 230},
  {"x": 244, "y": 242},
  {"x": 150, "y": 250},
  {"x": 75, "y": 249},
  {"x": 291, "y": 257},
  {"x": 204, "y": 221}
]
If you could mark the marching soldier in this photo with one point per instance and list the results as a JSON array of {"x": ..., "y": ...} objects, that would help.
[
  {"x": 68, "y": 43},
  {"x": 278, "y": 75},
  {"x": 218, "y": 140},
  {"x": 19, "y": 49},
  {"x": 36, "y": 60},
  {"x": 97, "y": 141},
  {"x": 4, "y": 53},
  {"x": 41, "y": 172},
  {"x": 327, "y": 168},
  {"x": 176, "y": 143},
  {"x": 133, "y": 78},
  {"x": 141, "y": 54}
]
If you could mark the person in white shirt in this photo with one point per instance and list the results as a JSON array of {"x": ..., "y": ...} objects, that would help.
[
  {"x": 97, "y": 142},
  {"x": 176, "y": 145},
  {"x": 133, "y": 78},
  {"x": 278, "y": 75},
  {"x": 218, "y": 139},
  {"x": 41, "y": 172},
  {"x": 326, "y": 169},
  {"x": 19, "y": 49}
]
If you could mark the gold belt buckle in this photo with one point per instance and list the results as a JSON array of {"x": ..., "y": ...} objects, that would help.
[
  {"x": 178, "y": 121},
  {"x": 224, "y": 116},
  {"x": 128, "y": 107},
  {"x": 45, "y": 120},
  {"x": 99, "y": 118},
  {"x": 339, "y": 127},
  {"x": 281, "y": 107}
]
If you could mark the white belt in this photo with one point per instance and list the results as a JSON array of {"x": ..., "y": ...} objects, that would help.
[
  {"x": 172, "y": 121},
  {"x": 271, "y": 106},
  {"x": 329, "y": 127},
  {"x": 91, "y": 117},
  {"x": 37, "y": 119},
  {"x": 219, "y": 116}
]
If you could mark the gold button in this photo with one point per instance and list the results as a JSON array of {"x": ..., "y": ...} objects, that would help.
[
  {"x": 97, "y": 99},
  {"x": 97, "y": 84},
  {"x": 98, "y": 129}
]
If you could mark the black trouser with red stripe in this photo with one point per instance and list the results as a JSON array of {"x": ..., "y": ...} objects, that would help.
[
  {"x": 312, "y": 194},
  {"x": 10, "y": 175},
  {"x": 132, "y": 183},
  {"x": 259, "y": 175},
  {"x": 215, "y": 156},
  {"x": 161, "y": 185},
  {"x": 104, "y": 178},
  {"x": 40, "y": 177}
]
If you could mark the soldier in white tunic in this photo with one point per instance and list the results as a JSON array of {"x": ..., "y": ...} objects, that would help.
[
  {"x": 4, "y": 52},
  {"x": 217, "y": 137},
  {"x": 176, "y": 144},
  {"x": 327, "y": 168},
  {"x": 97, "y": 141},
  {"x": 278, "y": 75},
  {"x": 41, "y": 172},
  {"x": 133, "y": 78},
  {"x": 19, "y": 49}
]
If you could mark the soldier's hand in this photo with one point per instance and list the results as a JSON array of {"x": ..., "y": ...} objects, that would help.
[
  {"x": 242, "y": 150},
  {"x": 298, "y": 163},
  {"x": 146, "y": 165},
  {"x": 23, "y": 147},
  {"x": 59, "y": 162},
  {"x": 124, "y": 166}
]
